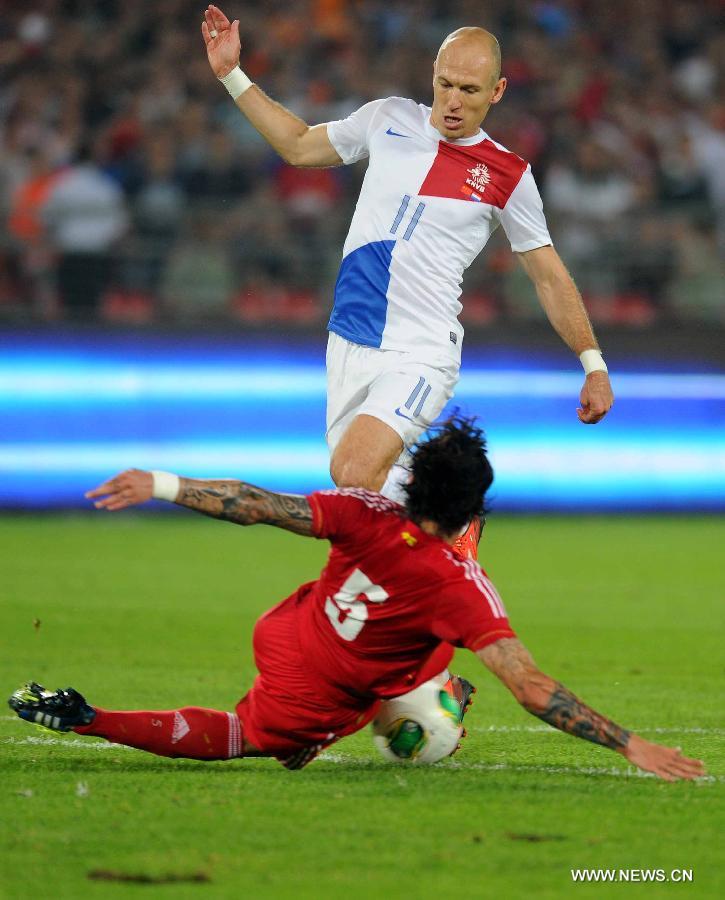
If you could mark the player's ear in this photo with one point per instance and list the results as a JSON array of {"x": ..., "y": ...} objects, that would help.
[{"x": 498, "y": 90}]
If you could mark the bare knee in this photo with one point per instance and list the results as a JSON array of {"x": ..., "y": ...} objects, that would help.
[
  {"x": 366, "y": 451},
  {"x": 347, "y": 471}
]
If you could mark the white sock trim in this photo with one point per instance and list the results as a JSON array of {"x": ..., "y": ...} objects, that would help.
[{"x": 234, "y": 747}]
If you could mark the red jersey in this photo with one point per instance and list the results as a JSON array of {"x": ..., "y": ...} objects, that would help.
[{"x": 388, "y": 597}]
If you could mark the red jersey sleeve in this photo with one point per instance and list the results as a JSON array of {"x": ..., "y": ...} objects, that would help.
[
  {"x": 470, "y": 612},
  {"x": 338, "y": 514}
]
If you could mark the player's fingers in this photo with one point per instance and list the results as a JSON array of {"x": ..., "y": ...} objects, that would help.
[
  {"x": 689, "y": 768},
  {"x": 219, "y": 17},
  {"x": 590, "y": 416},
  {"x": 116, "y": 503},
  {"x": 679, "y": 766},
  {"x": 104, "y": 488},
  {"x": 205, "y": 33},
  {"x": 686, "y": 774},
  {"x": 123, "y": 491},
  {"x": 111, "y": 486},
  {"x": 211, "y": 24}
]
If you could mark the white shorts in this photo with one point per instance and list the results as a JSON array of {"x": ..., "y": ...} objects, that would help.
[{"x": 395, "y": 387}]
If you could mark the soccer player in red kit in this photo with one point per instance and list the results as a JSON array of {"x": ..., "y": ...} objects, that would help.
[{"x": 383, "y": 618}]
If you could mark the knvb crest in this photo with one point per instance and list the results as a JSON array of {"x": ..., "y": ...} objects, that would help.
[{"x": 478, "y": 178}]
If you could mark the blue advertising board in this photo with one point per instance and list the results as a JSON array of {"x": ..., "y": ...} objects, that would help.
[{"x": 78, "y": 407}]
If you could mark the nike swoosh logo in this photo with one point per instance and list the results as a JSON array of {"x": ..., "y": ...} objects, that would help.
[
  {"x": 397, "y": 134},
  {"x": 403, "y": 415}
]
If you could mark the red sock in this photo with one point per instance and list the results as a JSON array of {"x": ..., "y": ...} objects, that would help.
[{"x": 191, "y": 732}]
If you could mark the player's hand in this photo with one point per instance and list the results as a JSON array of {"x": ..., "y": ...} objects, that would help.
[
  {"x": 666, "y": 762},
  {"x": 596, "y": 398},
  {"x": 130, "y": 488},
  {"x": 222, "y": 41}
]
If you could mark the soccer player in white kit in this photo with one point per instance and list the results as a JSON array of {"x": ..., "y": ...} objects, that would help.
[{"x": 436, "y": 188}]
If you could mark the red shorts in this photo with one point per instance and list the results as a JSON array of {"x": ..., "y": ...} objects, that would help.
[{"x": 291, "y": 714}]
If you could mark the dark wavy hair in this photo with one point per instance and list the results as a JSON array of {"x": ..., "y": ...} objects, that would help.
[{"x": 450, "y": 475}]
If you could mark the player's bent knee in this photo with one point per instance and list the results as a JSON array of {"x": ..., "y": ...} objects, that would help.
[{"x": 347, "y": 472}]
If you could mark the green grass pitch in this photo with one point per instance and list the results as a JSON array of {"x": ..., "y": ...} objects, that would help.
[{"x": 139, "y": 611}]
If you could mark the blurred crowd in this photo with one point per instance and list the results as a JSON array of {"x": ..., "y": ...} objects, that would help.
[{"x": 131, "y": 189}]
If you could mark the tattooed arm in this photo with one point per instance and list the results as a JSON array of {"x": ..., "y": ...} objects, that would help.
[
  {"x": 510, "y": 661},
  {"x": 555, "y": 704},
  {"x": 234, "y": 501},
  {"x": 245, "y": 504}
]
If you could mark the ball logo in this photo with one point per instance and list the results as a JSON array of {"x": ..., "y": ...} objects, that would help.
[{"x": 406, "y": 738}]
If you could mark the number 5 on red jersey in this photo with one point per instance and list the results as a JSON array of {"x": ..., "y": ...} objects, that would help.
[{"x": 347, "y": 610}]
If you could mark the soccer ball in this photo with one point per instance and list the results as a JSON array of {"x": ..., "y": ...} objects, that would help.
[{"x": 423, "y": 726}]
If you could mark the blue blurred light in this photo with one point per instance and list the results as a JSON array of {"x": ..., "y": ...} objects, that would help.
[
  {"x": 70, "y": 416},
  {"x": 26, "y": 381}
]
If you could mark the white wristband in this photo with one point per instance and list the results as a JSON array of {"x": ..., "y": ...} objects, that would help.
[
  {"x": 166, "y": 486},
  {"x": 593, "y": 361},
  {"x": 236, "y": 82}
]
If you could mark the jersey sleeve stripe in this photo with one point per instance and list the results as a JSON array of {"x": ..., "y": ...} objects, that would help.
[
  {"x": 472, "y": 572},
  {"x": 495, "y": 594}
]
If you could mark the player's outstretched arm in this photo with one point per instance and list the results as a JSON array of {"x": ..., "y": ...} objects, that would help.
[
  {"x": 563, "y": 305},
  {"x": 233, "y": 501},
  {"x": 245, "y": 504},
  {"x": 555, "y": 704},
  {"x": 296, "y": 142}
]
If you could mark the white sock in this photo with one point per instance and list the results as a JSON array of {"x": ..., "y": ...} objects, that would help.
[{"x": 398, "y": 476}]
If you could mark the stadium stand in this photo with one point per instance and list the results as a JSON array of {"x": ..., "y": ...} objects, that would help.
[{"x": 131, "y": 190}]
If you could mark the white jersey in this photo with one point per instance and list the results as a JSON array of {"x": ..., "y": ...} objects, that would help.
[{"x": 427, "y": 208}]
